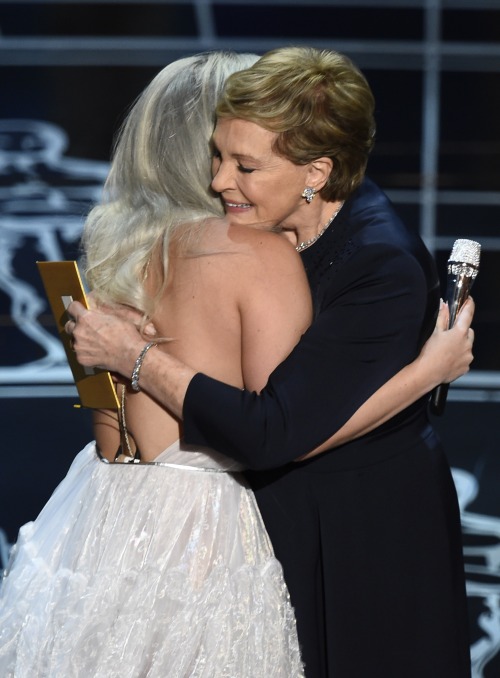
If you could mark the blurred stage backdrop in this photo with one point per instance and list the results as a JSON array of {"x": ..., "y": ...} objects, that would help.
[{"x": 68, "y": 72}]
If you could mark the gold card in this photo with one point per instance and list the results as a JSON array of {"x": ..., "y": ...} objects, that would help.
[{"x": 63, "y": 285}]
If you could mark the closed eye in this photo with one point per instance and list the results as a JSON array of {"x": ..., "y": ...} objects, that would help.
[{"x": 245, "y": 170}]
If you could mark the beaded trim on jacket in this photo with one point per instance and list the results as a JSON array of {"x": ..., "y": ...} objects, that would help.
[{"x": 307, "y": 243}]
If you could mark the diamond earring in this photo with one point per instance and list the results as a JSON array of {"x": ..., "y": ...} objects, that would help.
[{"x": 308, "y": 193}]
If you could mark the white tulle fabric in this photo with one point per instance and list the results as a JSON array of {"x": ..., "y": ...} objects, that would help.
[{"x": 147, "y": 570}]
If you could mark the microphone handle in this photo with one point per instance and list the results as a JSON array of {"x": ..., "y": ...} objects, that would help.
[
  {"x": 438, "y": 399},
  {"x": 457, "y": 294},
  {"x": 458, "y": 290}
]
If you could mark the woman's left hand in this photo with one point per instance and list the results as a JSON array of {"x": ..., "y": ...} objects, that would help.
[{"x": 449, "y": 351}]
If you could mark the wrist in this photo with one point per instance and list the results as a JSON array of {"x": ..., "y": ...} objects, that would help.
[
  {"x": 127, "y": 354},
  {"x": 427, "y": 374},
  {"x": 420, "y": 376},
  {"x": 136, "y": 370}
]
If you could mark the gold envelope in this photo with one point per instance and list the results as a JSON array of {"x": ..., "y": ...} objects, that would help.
[{"x": 63, "y": 284}]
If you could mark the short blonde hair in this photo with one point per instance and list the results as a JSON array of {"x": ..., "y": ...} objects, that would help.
[{"x": 319, "y": 104}]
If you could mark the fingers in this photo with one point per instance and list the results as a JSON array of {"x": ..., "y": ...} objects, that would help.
[
  {"x": 443, "y": 318},
  {"x": 149, "y": 330},
  {"x": 466, "y": 314},
  {"x": 69, "y": 327},
  {"x": 76, "y": 310}
]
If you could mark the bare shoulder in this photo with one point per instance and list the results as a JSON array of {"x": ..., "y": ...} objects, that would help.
[
  {"x": 270, "y": 274},
  {"x": 266, "y": 249},
  {"x": 223, "y": 246}
]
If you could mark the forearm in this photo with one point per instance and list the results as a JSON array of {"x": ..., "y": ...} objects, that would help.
[
  {"x": 165, "y": 378},
  {"x": 446, "y": 356},
  {"x": 401, "y": 391},
  {"x": 158, "y": 373},
  {"x": 299, "y": 408}
]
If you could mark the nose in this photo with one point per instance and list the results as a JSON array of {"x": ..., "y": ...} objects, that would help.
[{"x": 222, "y": 176}]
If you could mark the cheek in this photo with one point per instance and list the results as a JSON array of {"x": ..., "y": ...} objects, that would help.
[
  {"x": 274, "y": 195},
  {"x": 288, "y": 191}
]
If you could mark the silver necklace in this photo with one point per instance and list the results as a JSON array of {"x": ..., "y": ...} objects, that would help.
[{"x": 307, "y": 243}]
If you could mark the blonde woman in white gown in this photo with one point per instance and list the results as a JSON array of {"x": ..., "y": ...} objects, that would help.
[{"x": 163, "y": 568}]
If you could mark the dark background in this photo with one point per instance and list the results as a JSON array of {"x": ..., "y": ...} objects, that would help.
[{"x": 434, "y": 66}]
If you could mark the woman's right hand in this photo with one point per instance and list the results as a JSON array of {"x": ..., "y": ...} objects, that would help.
[
  {"x": 448, "y": 352},
  {"x": 103, "y": 340}
]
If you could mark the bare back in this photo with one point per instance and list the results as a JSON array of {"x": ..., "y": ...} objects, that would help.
[{"x": 233, "y": 308}]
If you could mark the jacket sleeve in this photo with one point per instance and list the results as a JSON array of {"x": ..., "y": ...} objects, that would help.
[{"x": 367, "y": 332}]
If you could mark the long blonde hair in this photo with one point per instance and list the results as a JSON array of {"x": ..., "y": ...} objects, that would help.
[{"x": 159, "y": 178}]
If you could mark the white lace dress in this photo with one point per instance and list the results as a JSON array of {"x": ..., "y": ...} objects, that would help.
[{"x": 135, "y": 570}]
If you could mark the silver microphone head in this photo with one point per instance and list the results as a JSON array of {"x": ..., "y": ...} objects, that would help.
[{"x": 464, "y": 258}]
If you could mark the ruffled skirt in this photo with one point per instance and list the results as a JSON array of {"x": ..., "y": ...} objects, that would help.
[{"x": 147, "y": 571}]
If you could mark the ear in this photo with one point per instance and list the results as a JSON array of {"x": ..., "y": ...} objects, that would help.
[{"x": 318, "y": 172}]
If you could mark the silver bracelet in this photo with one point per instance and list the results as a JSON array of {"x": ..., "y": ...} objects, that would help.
[{"x": 134, "y": 379}]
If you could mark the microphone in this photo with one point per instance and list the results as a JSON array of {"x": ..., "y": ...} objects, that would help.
[{"x": 463, "y": 267}]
